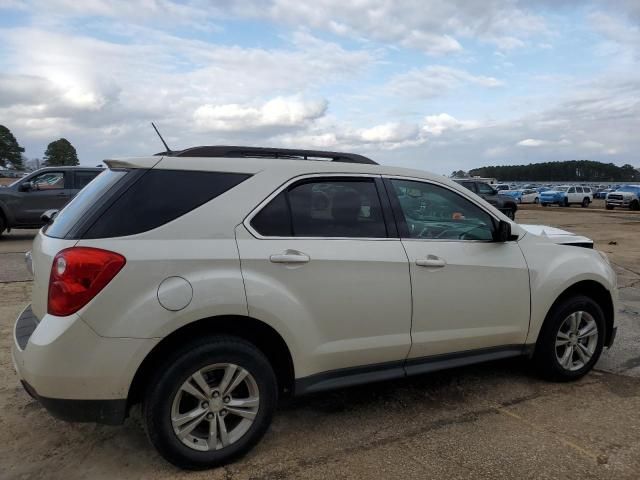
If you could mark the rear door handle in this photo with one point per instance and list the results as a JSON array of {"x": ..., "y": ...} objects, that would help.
[
  {"x": 431, "y": 261},
  {"x": 289, "y": 256}
]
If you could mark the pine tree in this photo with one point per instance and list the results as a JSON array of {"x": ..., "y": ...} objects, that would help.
[
  {"x": 61, "y": 152},
  {"x": 10, "y": 150}
]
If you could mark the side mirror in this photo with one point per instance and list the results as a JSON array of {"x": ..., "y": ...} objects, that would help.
[
  {"x": 25, "y": 187},
  {"x": 48, "y": 216},
  {"x": 503, "y": 232}
]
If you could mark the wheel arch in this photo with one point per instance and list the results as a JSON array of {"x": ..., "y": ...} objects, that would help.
[
  {"x": 263, "y": 336},
  {"x": 595, "y": 291}
]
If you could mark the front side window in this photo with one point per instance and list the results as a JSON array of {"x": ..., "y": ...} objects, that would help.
[
  {"x": 572, "y": 190},
  {"x": 48, "y": 181},
  {"x": 437, "y": 213},
  {"x": 330, "y": 208}
]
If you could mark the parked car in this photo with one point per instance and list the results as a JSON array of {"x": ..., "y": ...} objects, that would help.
[
  {"x": 23, "y": 202},
  {"x": 208, "y": 283},
  {"x": 524, "y": 196},
  {"x": 504, "y": 203},
  {"x": 567, "y": 195},
  {"x": 501, "y": 186},
  {"x": 627, "y": 196}
]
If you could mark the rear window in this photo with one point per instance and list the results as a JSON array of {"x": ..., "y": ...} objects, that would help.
[
  {"x": 159, "y": 197},
  {"x": 126, "y": 202},
  {"x": 81, "y": 203}
]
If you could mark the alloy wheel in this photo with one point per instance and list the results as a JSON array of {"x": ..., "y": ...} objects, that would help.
[
  {"x": 576, "y": 340},
  {"x": 215, "y": 407}
]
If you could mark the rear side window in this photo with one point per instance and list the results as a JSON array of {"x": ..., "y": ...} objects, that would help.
[
  {"x": 159, "y": 197},
  {"x": 83, "y": 178},
  {"x": 340, "y": 208}
]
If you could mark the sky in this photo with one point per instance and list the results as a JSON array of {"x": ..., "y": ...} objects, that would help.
[{"x": 437, "y": 85}]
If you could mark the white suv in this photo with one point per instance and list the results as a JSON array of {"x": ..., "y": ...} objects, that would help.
[{"x": 208, "y": 283}]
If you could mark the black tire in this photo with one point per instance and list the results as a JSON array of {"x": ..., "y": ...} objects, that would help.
[
  {"x": 585, "y": 202},
  {"x": 536, "y": 200},
  {"x": 545, "y": 357},
  {"x": 511, "y": 213},
  {"x": 635, "y": 205},
  {"x": 3, "y": 224},
  {"x": 156, "y": 412},
  {"x": 609, "y": 207},
  {"x": 566, "y": 202},
  {"x": 544, "y": 204}
]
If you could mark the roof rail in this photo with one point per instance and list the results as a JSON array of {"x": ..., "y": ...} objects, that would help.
[{"x": 261, "y": 152}]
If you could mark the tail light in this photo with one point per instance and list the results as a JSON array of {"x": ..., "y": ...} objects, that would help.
[{"x": 77, "y": 275}]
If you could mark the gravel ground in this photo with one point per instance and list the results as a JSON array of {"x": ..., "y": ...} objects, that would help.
[{"x": 489, "y": 421}]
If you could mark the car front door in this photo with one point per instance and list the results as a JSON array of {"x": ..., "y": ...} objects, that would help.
[
  {"x": 321, "y": 260},
  {"x": 469, "y": 292},
  {"x": 45, "y": 191}
]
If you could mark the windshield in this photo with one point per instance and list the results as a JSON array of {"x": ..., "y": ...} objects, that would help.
[
  {"x": 561, "y": 189},
  {"x": 629, "y": 188}
]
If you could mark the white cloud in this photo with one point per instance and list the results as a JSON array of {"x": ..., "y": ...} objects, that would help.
[
  {"x": 535, "y": 142},
  {"x": 437, "y": 124},
  {"x": 388, "y": 133},
  {"x": 435, "y": 80},
  {"x": 278, "y": 112}
]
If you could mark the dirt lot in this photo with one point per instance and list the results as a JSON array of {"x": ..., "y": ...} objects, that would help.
[{"x": 489, "y": 421}]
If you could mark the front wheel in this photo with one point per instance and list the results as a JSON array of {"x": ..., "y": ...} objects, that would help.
[
  {"x": 566, "y": 202},
  {"x": 635, "y": 205},
  {"x": 210, "y": 402},
  {"x": 571, "y": 339}
]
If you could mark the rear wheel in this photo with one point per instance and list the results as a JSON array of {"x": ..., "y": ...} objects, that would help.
[
  {"x": 511, "y": 213},
  {"x": 210, "y": 403},
  {"x": 571, "y": 339},
  {"x": 585, "y": 202}
]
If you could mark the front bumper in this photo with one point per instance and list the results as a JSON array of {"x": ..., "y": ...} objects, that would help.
[{"x": 74, "y": 373}]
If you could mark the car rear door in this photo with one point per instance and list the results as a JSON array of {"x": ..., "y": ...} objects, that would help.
[
  {"x": 321, "y": 260},
  {"x": 469, "y": 292}
]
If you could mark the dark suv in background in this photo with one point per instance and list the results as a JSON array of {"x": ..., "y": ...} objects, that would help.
[
  {"x": 504, "y": 203},
  {"x": 23, "y": 202}
]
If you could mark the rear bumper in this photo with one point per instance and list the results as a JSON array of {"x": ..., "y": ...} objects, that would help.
[
  {"x": 106, "y": 412},
  {"x": 74, "y": 373}
]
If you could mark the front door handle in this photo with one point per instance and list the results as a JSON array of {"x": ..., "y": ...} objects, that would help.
[
  {"x": 431, "y": 261},
  {"x": 289, "y": 256}
]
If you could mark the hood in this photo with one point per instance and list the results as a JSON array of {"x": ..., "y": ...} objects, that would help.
[
  {"x": 558, "y": 236},
  {"x": 624, "y": 194},
  {"x": 551, "y": 192}
]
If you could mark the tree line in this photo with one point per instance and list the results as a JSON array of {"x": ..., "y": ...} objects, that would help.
[
  {"x": 58, "y": 152},
  {"x": 569, "y": 170}
]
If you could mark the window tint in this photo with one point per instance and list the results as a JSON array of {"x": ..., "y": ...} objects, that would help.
[
  {"x": 578, "y": 189},
  {"x": 48, "y": 181},
  {"x": 468, "y": 186},
  {"x": 484, "y": 189},
  {"x": 83, "y": 178},
  {"x": 158, "y": 197},
  {"x": 571, "y": 190},
  {"x": 324, "y": 208},
  {"x": 433, "y": 212},
  {"x": 81, "y": 203},
  {"x": 274, "y": 219}
]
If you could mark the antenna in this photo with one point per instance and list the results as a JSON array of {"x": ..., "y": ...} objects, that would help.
[{"x": 161, "y": 139}]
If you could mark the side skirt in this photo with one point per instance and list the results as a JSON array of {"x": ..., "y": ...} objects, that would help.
[{"x": 348, "y": 377}]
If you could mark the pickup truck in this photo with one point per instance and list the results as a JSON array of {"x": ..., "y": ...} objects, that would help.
[
  {"x": 627, "y": 196},
  {"x": 24, "y": 201},
  {"x": 504, "y": 203}
]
